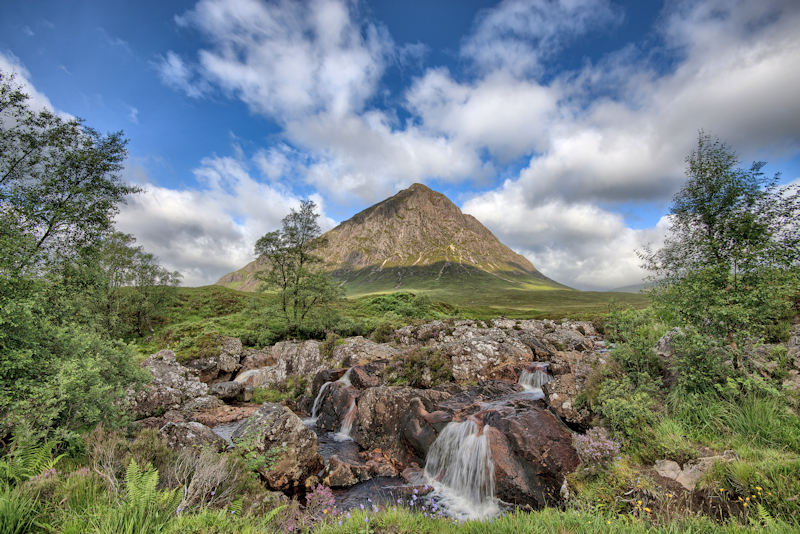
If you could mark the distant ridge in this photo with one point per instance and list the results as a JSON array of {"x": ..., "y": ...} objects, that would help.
[{"x": 415, "y": 240}]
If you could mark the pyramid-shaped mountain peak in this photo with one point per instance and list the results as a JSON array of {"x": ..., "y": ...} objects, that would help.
[{"x": 415, "y": 240}]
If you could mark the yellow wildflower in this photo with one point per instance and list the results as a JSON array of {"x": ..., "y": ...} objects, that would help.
[{"x": 646, "y": 509}]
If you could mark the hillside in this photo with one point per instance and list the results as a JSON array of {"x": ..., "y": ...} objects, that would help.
[{"x": 415, "y": 240}]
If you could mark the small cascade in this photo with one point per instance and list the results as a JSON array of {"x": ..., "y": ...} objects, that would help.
[
  {"x": 318, "y": 402},
  {"x": 460, "y": 468},
  {"x": 347, "y": 422},
  {"x": 533, "y": 381}
]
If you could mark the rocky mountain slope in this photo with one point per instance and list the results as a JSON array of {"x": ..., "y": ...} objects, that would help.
[{"x": 416, "y": 239}]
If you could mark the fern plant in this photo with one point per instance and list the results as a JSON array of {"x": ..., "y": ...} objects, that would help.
[
  {"x": 145, "y": 509},
  {"x": 27, "y": 460}
]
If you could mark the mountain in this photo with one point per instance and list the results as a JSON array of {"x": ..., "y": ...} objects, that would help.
[{"x": 415, "y": 240}]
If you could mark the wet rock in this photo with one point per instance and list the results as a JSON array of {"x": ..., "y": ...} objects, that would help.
[
  {"x": 326, "y": 375},
  {"x": 172, "y": 416},
  {"x": 342, "y": 474},
  {"x": 532, "y": 455},
  {"x": 289, "y": 448},
  {"x": 172, "y": 386},
  {"x": 190, "y": 435},
  {"x": 226, "y": 390},
  {"x": 379, "y": 463},
  {"x": 335, "y": 403},
  {"x": 382, "y": 416},
  {"x": 360, "y": 351}
]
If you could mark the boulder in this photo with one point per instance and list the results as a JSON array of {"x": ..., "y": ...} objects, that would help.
[
  {"x": 291, "y": 358},
  {"x": 326, "y": 375},
  {"x": 221, "y": 367},
  {"x": 172, "y": 386},
  {"x": 262, "y": 377},
  {"x": 289, "y": 448},
  {"x": 361, "y": 378},
  {"x": 692, "y": 471},
  {"x": 561, "y": 395},
  {"x": 227, "y": 390},
  {"x": 190, "y": 435},
  {"x": 532, "y": 454},
  {"x": 476, "y": 359},
  {"x": 342, "y": 474},
  {"x": 202, "y": 404},
  {"x": 383, "y": 415},
  {"x": 566, "y": 338},
  {"x": 359, "y": 351},
  {"x": 256, "y": 359},
  {"x": 336, "y": 401}
]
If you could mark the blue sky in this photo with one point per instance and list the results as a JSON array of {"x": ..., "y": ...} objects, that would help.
[{"x": 561, "y": 124}]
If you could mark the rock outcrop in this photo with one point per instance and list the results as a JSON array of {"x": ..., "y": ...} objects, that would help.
[
  {"x": 172, "y": 386},
  {"x": 289, "y": 448},
  {"x": 190, "y": 435}
]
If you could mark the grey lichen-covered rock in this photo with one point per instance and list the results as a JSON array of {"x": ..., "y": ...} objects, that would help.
[
  {"x": 226, "y": 390},
  {"x": 172, "y": 386},
  {"x": 692, "y": 471},
  {"x": 290, "y": 358},
  {"x": 190, "y": 435},
  {"x": 202, "y": 404},
  {"x": 288, "y": 447},
  {"x": 359, "y": 351},
  {"x": 476, "y": 358},
  {"x": 221, "y": 367}
]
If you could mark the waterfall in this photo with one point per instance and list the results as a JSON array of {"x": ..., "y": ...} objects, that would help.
[
  {"x": 347, "y": 422},
  {"x": 533, "y": 381},
  {"x": 460, "y": 468},
  {"x": 318, "y": 401}
]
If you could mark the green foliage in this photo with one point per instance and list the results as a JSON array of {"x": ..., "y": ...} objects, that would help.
[
  {"x": 729, "y": 264},
  {"x": 422, "y": 367},
  {"x": 626, "y": 410},
  {"x": 292, "y": 389},
  {"x": 25, "y": 460},
  {"x": 18, "y": 512},
  {"x": 384, "y": 333},
  {"x": 401, "y": 304},
  {"x": 698, "y": 362},
  {"x": 289, "y": 254},
  {"x": 636, "y": 332},
  {"x": 60, "y": 185},
  {"x": 145, "y": 509}
]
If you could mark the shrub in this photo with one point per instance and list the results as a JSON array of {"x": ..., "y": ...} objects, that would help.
[
  {"x": 596, "y": 448},
  {"x": 384, "y": 333},
  {"x": 422, "y": 367}
]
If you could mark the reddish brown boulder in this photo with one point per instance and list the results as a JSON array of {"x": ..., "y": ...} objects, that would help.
[
  {"x": 361, "y": 378},
  {"x": 336, "y": 402},
  {"x": 532, "y": 455}
]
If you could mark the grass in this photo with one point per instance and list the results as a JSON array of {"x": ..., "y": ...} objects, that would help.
[{"x": 194, "y": 323}]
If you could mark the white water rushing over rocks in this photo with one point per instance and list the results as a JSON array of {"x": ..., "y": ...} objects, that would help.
[
  {"x": 460, "y": 468},
  {"x": 349, "y": 417},
  {"x": 533, "y": 381}
]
